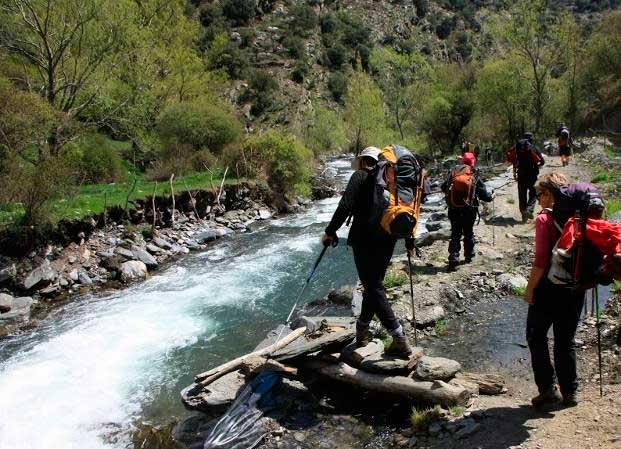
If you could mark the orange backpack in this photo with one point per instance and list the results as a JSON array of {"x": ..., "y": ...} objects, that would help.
[
  {"x": 462, "y": 186},
  {"x": 399, "y": 178}
]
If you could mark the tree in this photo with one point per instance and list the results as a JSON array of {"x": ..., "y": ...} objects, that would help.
[
  {"x": 528, "y": 33},
  {"x": 67, "y": 42},
  {"x": 323, "y": 130},
  {"x": 364, "y": 112},
  {"x": 502, "y": 95},
  {"x": 571, "y": 48}
]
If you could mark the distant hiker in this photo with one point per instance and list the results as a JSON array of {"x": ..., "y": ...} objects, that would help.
[
  {"x": 463, "y": 188},
  {"x": 564, "y": 143},
  {"x": 467, "y": 154},
  {"x": 551, "y": 305},
  {"x": 526, "y": 159},
  {"x": 372, "y": 248},
  {"x": 489, "y": 151}
]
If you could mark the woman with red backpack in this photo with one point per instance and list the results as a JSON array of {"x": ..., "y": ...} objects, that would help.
[{"x": 551, "y": 305}]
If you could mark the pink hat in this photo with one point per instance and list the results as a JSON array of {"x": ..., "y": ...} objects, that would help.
[{"x": 468, "y": 159}]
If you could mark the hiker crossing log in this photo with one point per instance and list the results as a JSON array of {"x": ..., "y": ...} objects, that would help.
[
  {"x": 436, "y": 392},
  {"x": 209, "y": 376}
]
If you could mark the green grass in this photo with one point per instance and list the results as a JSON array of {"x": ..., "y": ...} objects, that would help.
[
  {"x": 613, "y": 206},
  {"x": 510, "y": 201},
  {"x": 518, "y": 291},
  {"x": 395, "y": 278},
  {"x": 612, "y": 153},
  {"x": 616, "y": 287},
  {"x": 457, "y": 410},
  {"x": 600, "y": 177},
  {"x": 421, "y": 418},
  {"x": 89, "y": 199},
  {"x": 440, "y": 327}
]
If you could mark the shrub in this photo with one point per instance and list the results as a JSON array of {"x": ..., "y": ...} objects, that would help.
[
  {"x": 295, "y": 46},
  {"x": 327, "y": 23},
  {"x": 221, "y": 53},
  {"x": 422, "y": 7},
  {"x": 337, "y": 84},
  {"x": 262, "y": 81},
  {"x": 336, "y": 55},
  {"x": 283, "y": 159},
  {"x": 94, "y": 160},
  {"x": 239, "y": 11},
  {"x": 200, "y": 123},
  {"x": 395, "y": 278},
  {"x": 304, "y": 18},
  {"x": 300, "y": 70}
]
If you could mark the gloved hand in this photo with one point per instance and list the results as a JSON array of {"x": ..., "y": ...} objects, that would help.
[
  {"x": 409, "y": 246},
  {"x": 332, "y": 240}
]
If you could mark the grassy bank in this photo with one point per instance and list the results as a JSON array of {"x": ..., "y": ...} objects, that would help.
[{"x": 91, "y": 199}]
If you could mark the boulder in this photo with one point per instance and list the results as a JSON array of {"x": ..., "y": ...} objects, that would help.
[
  {"x": 512, "y": 281},
  {"x": 206, "y": 236},
  {"x": 7, "y": 274},
  {"x": 154, "y": 249},
  {"x": 164, "y": 244},
  {"x": 354, "y": 355},
  {"x": 6, "y": 303},
  {"x": 41, "y": 276},
  {"x": 342, "y": 296},
  {"x": 429, "y": 315},
  {"x": 111, "y": 263},
  {"x": 143, "y": 256},
  {"x": 133, "y": 270},
  {"x": 74, "y": 275},
  {"x": 84, "y": 278},
  {"x": 124, "y": 252},
  {"x": 265, "y": 214},
  {"x": 436, "y": 368},
  {"x": 438, "y": 216},
  {"x": 428, "y": 238},
  {"x": 437, "y": 225},
  {"x": 20, "y": 311}
]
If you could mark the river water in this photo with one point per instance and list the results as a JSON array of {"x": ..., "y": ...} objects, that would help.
[{"x": 97, "y": 366}]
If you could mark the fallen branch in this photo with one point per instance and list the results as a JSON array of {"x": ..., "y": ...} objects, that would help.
[
  {"x": 436, "y": 392},
  {"x": 192, "y": 201},
  {"x": 209, "y": 376},
  {"x": 222, "y": 185}
]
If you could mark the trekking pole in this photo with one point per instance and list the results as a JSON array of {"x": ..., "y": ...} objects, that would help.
[
  {"x": 412, "y": 298},
  {"x": 599, "y": 341},
  {"x": 493, "y": 216},
  {"x": 308, "y": 279}
]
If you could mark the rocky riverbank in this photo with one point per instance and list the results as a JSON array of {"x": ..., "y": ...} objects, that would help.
[{"x": 116, "y": 249}]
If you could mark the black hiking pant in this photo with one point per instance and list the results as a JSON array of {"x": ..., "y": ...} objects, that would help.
[
  {"x": 371, "y": 262},
  {"x": 526, "y": 192},
  {"x": 559, "y": 308},
  {"x": 462, "y": 223}
]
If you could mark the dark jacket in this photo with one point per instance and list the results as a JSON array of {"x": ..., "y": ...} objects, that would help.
[
  {"x": 525, "y": 165},
  {"x": 357, "y": 201},
  {"x": 480, "y": 189}
]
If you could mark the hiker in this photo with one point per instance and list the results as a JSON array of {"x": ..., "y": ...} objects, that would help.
[
  {"x": 467, "y": 153},
  {"x": 551, "y": 305},
  {"x": 564, "y": 143},
  {"x": 372, "y": 248},
  {"x": 463, "y": 188},
  {"x": 526, "y": 159}
]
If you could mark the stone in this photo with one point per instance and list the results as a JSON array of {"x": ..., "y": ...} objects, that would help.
[
  {"x": 304, "y": 321},
  {"x": 74, "y": 275},
  {"x": 512, "y": 281},
  {"x": 20, "y": 311},
  {"x": 353, "y": 355},
  {"x": 105, "y": 254},
  {"x": 356, "y": 303},
  {"x": 342, "y": 296},
  {"x": 436, "y": 368},
  {"x": 438, "y": 216},
  {"x": 468, "y": 427},
  {"x": 428, "y": 316},
  {"x": 143, "y": 256},
  {"x": 264, "y": 214},
  {"x": 111, "y": 263},
  {"x": 206, "y": 236},
  {"x": 428, "y": 238},
  {"x": 41, "y": 276},
  {"x": 436, "y": 225},
  {"x": 164, "y": 244},
  {"x": 124, "y": 252},
  {"x": 179, "y": 249},
  {"x": 63, "y": 282},
  {"x": 154, "y": 249},
  {"x": 50, "y": 291},
  {"x": 435, "y": 428},
  {"x": 471, "y": 387},
  {"x": 388, "y": 365},
  {"x": 84, "y": 278},
  {"x": 7, "y": 274},
  {"x": 133, "y": 270},
  {"x": 72, "y": 259},
  {"x": 6, "y": 302}
]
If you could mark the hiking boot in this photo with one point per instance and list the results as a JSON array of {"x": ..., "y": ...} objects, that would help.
[
  {"x": 363, "y": 336},
  {"x": 469, "y": 258},
  {"x": 452, "y": 265},
  {"x": 400, "y": 347},
  {"x": 547, "y": 398},
  {"x": 570, "y": 400}
]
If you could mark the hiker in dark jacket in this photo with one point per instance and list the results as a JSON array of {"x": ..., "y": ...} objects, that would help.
[
  {"x": 462, "y": 218},
  {"x": 372, "y": 249},
  {"x": 564, "y": 143},
  {"x": 526, "y": 160},
  {"x": 551, "y": 305}
]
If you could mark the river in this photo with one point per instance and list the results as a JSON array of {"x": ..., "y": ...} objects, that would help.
[{"x": 96, "y": 366}]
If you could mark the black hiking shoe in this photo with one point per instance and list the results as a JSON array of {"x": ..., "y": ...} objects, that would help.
[
  {"x": 570, "y": 400},
  {"x": 547, "y": 399},
  {"x": 363, "y": 336},
  {"x": 452, "y": 265},
  {"x": 469, "y": 258},
  {"x": 400, "y": 348}
]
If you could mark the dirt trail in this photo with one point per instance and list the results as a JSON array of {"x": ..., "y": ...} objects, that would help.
[{"x": 509, "y": 420}]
